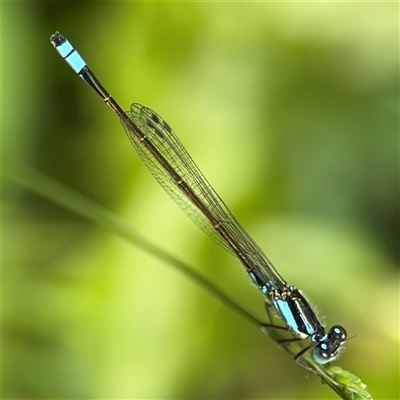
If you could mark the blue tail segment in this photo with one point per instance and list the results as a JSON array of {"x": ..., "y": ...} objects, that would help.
[{"x": 67, "y": 52}]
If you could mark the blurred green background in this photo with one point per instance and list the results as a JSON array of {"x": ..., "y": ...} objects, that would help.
[{"x": 291, "y": 110}]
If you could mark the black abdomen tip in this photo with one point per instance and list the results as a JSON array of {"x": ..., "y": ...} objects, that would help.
[{"x": 56, "y": 39}]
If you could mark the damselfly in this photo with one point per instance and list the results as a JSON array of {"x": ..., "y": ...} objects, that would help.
[{"x": 174, "y": 169}]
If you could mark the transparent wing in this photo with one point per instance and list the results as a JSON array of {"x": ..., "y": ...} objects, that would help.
[{"x": 161, "y": 136}]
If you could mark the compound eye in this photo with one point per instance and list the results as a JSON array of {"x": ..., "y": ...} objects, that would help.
[
  {"x": 323, "y": 354},
  {"x": 338, "y": 334}
]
